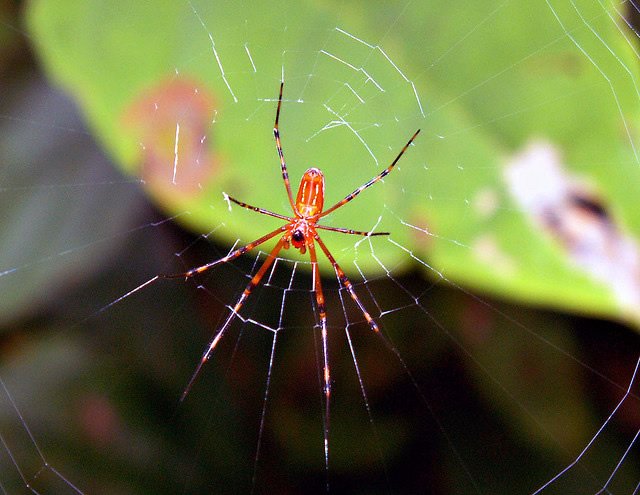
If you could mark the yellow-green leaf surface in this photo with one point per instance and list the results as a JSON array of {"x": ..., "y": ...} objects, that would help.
[{"x": 544, "y": 94}]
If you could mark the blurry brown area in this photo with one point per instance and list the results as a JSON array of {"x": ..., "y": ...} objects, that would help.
[{"x": 169, "y": 121}]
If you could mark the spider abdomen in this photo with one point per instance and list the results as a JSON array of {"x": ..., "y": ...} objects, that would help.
[{"x": 310, "y": 199}]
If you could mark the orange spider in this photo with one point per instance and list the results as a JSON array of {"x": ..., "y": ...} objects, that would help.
[{"x": 301, "y": 231}]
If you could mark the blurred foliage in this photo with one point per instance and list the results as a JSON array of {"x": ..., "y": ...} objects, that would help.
[{"x": 506, "y": 395}]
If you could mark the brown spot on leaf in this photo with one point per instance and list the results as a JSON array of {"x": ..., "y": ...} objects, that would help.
[
  {"x": 172, "y": 122},
  {"x": 558, "y": 64},
  {"x": 421, "y": 234}
]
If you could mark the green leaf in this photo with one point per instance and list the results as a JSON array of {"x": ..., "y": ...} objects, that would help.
[{"x": 500, "y": 84}]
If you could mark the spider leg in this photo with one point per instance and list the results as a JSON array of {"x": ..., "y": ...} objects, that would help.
[
  {"x": 283, "y": 164},
  {"x": 124, "y": 296},
  {"x": 352, "y": 195},
  {"x": 259, "y": 210},
  {"x": 346, "y": 283},
  {"x": 231, "y": 256},
  {"x": 325, "y": 353},
  {"x": 255, "y": 280},
  {"x": 350, "y": 231},
  {"x": 200, "y": 269}
]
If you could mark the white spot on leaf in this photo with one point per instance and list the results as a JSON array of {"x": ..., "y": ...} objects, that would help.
[{"x": 571, "y": 213}]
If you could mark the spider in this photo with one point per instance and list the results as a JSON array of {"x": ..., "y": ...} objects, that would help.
[{"x": 301, "y": 232}]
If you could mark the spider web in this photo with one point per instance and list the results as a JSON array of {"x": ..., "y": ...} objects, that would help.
[{"x": 454, "y": 401}]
